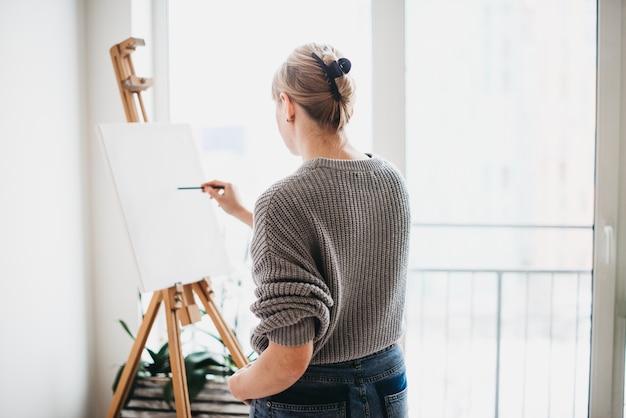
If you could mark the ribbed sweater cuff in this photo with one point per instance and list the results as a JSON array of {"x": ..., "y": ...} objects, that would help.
[{"x": 294, "y": 335}]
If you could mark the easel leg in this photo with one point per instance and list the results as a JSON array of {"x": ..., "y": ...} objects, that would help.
[
  {"x": 204, "y": 292},
  {"x": 173, "y": 302},
  {"x": 131, "y": 366}
]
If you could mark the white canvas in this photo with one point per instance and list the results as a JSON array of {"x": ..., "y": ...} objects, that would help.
[{"x": 174, "y": 233}]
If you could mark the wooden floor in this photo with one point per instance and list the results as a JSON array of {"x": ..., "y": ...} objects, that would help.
[{"x": 215, "y": 401}]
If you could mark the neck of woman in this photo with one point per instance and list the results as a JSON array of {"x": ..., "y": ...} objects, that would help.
[{"x": 328, "y": 144}]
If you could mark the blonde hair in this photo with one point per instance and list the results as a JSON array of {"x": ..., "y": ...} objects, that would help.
[{"x": 306, "y": 82}]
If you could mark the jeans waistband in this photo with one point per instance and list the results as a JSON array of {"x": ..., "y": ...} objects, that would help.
[{"x": 383, "y": 362}]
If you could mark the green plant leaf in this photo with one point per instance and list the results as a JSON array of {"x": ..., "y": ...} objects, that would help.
[
  {"x": 201, "y": 359},
  {"x": 125, "y": 326},
  {"x": 168, "y": 391},
  {"x": 164, "y": 351},
  {"x": 160, "y": 361},
  {"x": 196, "y": 379},
  {"x": 151, "y": 352}
]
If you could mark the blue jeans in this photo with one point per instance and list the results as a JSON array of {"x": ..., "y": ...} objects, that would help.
[{"x": 374, "y": 386}]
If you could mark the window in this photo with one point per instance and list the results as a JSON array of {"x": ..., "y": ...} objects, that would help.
[
  {"x": 222, "y": 60},
  {"x": 500, "y": 164},
  {"x": 500, "y": 130}
]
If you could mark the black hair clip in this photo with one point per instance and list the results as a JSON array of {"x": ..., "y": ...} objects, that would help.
[{"x": 335, "y": 69}]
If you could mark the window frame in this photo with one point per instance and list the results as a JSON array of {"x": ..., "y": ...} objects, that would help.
[{"x": 606, "y": 386}]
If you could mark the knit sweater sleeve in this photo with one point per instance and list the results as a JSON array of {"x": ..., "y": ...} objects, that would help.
[{"x": 293, "y": 301}]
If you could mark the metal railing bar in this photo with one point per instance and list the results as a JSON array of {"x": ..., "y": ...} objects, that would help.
[
  {"x": 525, "y": 361},
  {"x": 496, "y": 271},
  {"x": 446, "y": 327},
  {"x": 472, "y": 335},
  {"x": 503, "y": 226},
  {"x": 498, "y": 345},
  {"x": 551, "y": 334},
  {"x": 575, "y": 383}
]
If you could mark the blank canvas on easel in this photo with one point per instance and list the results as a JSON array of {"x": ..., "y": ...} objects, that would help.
[{"x": 174, "y": 233}]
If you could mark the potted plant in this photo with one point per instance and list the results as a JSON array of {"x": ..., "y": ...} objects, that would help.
[{"x": 198, "y": 365}]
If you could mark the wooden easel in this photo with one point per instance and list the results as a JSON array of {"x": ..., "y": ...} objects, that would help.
[
  {"x": 180, "y": 307},
  {"x": 129, "y": 84}
]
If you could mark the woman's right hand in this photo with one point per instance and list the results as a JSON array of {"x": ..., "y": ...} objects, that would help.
[{"x": 225, "y": 194}]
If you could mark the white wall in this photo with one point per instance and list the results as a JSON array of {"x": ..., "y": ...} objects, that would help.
[
  {"x": 59, "y": 306},
  {"x": 107, "y": 22},
  {"x": 44, "y": 321}
]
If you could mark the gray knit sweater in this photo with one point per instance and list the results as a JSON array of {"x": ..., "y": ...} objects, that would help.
[{"x": 330, "y": 254}]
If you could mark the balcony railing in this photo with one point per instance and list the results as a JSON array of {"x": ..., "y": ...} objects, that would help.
[
  {"x": 498, "y": 343},
  {"x": 508, "y": 341}
]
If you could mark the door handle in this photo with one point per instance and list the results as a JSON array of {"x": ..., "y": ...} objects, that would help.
[{"x": 609, "y": 243}]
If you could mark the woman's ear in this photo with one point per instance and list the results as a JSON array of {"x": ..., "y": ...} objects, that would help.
[{"x": 288, "y": 106}]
